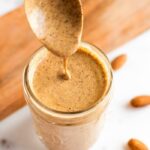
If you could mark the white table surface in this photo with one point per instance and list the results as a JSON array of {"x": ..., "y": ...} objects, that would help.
[{"x": 122, "y": 121}]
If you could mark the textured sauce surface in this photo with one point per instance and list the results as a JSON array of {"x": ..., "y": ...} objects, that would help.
[{"x": 87, "y": 84}]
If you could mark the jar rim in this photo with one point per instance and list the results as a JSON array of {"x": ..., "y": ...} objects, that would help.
[{"x": 28, "y": 92}]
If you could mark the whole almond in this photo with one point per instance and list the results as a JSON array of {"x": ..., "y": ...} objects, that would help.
[
  {"x": 135, "y": 144},
  {"x": 140, "y": 101},
  {"x": 119, "y": 61}
]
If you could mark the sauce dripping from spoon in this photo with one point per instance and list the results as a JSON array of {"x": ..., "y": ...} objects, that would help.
[{"x": 67, "y": 74}]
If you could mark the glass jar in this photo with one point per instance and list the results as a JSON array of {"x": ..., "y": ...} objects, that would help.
[{"x": 67, "y": 131}]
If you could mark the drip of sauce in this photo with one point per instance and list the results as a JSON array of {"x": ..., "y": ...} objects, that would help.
[
  {"x": 58, "y": 25},
  {"x": 67, "y": 75}
]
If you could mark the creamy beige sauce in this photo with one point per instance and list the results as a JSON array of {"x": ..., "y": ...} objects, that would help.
[
  {"x": 86, "y": 86},
  {"x": 56, "y": 23}
]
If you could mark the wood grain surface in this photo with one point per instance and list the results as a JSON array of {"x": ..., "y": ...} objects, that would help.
[
  {"x": 17, "y": 43},
  {"x": 107, "y": 24},
  {"x": 111, "y": 23}
]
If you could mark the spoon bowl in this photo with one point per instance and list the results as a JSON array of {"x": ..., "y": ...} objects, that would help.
[{"x": 56, "y": 23}]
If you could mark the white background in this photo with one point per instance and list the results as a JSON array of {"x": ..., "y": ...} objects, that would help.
[{"x": 122, "y": 121}]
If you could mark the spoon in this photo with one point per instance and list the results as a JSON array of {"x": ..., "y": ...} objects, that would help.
[{"x": 57, "y": 24}]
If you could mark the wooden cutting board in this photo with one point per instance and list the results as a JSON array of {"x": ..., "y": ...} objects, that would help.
[{"x": 107, "y": 24}]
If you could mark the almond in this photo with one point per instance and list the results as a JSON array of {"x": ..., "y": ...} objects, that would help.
[
  {"x": 135, "y": 144},
  {"x": 140, "y": 101},
  {"x": 119, "y": 61}
]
